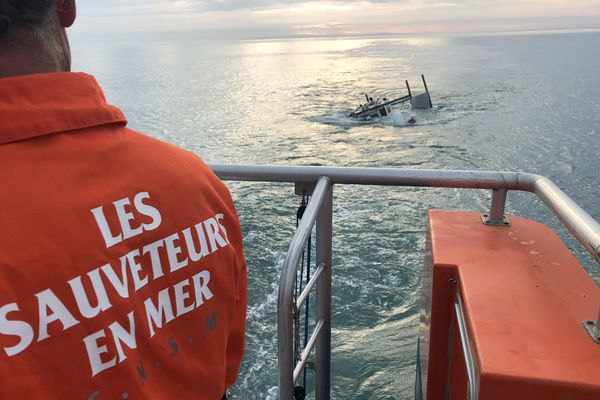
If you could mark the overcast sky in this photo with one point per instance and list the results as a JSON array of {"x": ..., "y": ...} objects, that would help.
[{"x": 234, "y": 19}]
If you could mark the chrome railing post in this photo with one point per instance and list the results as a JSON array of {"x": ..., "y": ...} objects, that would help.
[
  {"x": 498, "y": 204},
  {"x": 324, "y": 252},
  {"x": 496, "y": 214}
]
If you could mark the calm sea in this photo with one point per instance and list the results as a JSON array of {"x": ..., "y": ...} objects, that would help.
[{"x": 520, "y": 102}]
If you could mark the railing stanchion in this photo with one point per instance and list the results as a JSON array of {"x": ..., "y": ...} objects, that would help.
[
  {"x": 498, "y": 204},
  {"x": 496, "y": 215},
  {"x": 323, "y": 304}
]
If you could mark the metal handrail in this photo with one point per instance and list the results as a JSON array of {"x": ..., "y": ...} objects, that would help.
[
  {"x": 466, "y": 346},
  {"x": 579, "y": 223},
  {"x": 285, "y": 304}
]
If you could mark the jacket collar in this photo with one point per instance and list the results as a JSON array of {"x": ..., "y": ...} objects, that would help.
[{"x": 42, "y": 104}]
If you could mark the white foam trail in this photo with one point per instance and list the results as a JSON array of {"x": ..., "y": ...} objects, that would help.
[
  {"x": 398, "y": 118},
  {"x": 273, "y": 393}
]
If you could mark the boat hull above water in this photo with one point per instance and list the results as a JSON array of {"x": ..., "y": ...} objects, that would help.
[{"x": 373, "y": 111}]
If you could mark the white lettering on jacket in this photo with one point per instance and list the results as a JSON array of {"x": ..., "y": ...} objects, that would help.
[
  {"x": 92, "y": 293},
  {"x": 127, "y": 220}
]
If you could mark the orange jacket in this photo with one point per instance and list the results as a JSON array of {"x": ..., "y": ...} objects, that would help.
[{"x": 121, "y": 267}]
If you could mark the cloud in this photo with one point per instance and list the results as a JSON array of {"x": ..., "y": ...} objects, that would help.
[
  {"x": 114, "y": 7},
  {"x": 267, "y": 18}
]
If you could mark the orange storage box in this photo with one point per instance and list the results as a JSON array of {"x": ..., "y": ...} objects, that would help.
[{"x": 524, "y": 299}]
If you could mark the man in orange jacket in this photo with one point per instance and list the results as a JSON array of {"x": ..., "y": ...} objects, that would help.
[{"x": 121, "y": 267}]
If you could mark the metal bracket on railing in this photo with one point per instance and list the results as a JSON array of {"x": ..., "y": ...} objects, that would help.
[
  {"x": 496, "y": 215},
  {"x": 304, "y": 188},
  {"x": 593, "y": 328}
]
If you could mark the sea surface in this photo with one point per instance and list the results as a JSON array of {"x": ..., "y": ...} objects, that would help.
[{"x": 516, "y": 102}]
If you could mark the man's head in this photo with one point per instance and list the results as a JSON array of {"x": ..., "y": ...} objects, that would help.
[{"x": 33, "y": 37}]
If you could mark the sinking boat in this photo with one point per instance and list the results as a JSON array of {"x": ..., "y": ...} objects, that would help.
[
  {"x": 507, "y": 311},
  {"x": 383, "y": 107},
  {"x": 373, "y": 108}
]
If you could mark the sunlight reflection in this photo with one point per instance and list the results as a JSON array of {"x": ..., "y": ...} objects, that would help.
[
  {"x": 302, "y": 46},
  {"x": 423, "y": 41}
]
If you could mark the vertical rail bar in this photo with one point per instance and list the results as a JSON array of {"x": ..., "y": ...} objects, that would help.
[
  {"x": 408, "y": 88},
  {"x": 323, "y": 303},
  {"x": 467, "y": 352},
  {"x": 285, "y": 299},
  {"x": 497, "y": 207}
]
